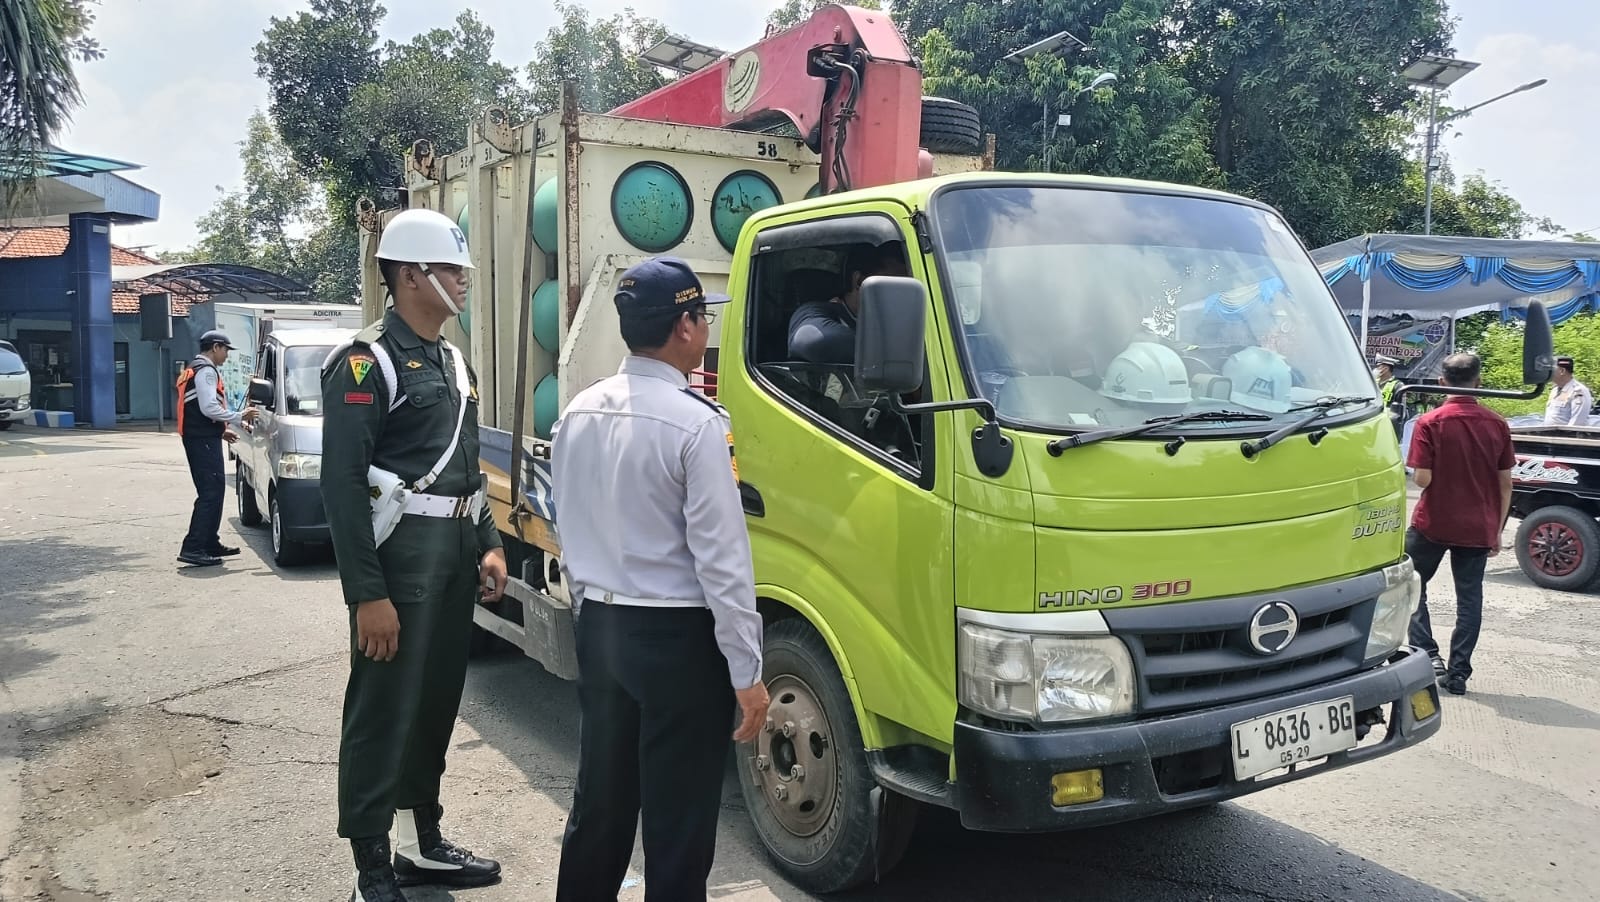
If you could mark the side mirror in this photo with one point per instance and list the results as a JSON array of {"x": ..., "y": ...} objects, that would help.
[
  {"x": 890, "y": 355},
  {"x": 1538, "y": 346},
  {"x": 261, "y": 391}
]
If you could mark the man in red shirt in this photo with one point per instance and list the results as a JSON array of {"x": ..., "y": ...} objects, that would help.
[{"x": 1462, "y": 456}]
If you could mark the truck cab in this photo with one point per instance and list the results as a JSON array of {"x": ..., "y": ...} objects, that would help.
[
  {"x": 16, "y": 387},
  {"x": 278, "y": 459}
]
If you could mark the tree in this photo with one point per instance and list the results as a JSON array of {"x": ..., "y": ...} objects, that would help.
[
  {"x": 1475, "y": 208},
  {"x": 1151, "y": 126},
  {"x": 601, "y": 56},
  {"x": 39, "y": 42},
  {"x": 793, "y": 12},
  {"x": 278, "y": 221}
]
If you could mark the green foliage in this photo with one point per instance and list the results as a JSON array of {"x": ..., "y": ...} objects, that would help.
[
  {"x": 39, "y": 41},
  {"x": 601, "y": 56},
  {"x": 1150, "y": 126},
  {"x": 279, "y": 221},
  {"x": 1501, "y": 350}
]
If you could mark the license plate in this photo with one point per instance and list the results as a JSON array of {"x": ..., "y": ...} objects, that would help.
[{"x": 1293, "y": 735}]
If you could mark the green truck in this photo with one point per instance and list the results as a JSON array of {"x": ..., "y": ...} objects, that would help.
[{"x": 1104, "y": 520}]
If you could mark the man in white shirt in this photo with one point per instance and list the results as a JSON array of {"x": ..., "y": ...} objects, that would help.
[
  {"x": 656, "y": 558},
  {"x": 1570, "y": 400},
  {"x": 204, "y": 423}
]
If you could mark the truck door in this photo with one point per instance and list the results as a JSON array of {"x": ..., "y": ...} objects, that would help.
[{"x": 849, "y": 502}]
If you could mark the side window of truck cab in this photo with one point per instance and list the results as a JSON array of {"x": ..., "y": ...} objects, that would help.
[{"x": 801, "y": 343}]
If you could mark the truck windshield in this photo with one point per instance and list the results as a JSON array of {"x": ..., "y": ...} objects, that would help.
[
  {"x": 1087, "y": 308},
  {"x": 11, "y": 363},
  {"x": 302, "y": 379}
]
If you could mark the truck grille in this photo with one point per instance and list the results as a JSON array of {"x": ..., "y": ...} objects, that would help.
[
  {"x": 8, "y": 404},
  {"x": 1207, "y": 659}
]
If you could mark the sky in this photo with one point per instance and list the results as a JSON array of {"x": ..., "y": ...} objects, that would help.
[{"x": 178, "y": 84}]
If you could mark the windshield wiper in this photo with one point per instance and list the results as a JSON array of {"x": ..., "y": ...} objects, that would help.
[
  {"x": 1056, "y": 446},
  {"x": 1319, "y": 410}
]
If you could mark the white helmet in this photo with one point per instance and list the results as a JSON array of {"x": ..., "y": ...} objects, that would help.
[
  {"x": 1261, "y": 379},
  {"x": 1147, "y": 373},
  {"x": 423, "y": 237}
]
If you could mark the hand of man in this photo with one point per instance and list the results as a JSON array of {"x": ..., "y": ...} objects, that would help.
[
  {"x": 494, "y": 574},
  {"x": 378, "y": 629},
  {"x": 250, "y": 414},
  {"x": 228, "y": 435},
  {"x": 753, "y": 705}
]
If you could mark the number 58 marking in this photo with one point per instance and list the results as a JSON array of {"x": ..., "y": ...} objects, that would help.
[{"x": 767, "y": 149}]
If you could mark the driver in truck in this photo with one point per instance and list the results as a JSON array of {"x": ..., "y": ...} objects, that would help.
[{"x": 825, "y": 331}]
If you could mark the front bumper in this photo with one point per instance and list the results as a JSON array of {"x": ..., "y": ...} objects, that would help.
[
  {"x": 300, "y": 510},
  {"x": 16, "y": 415},
  {"x": 1169, "y": 763}
]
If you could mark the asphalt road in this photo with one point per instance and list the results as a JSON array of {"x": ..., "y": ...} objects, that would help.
[{"x": 169, "y": 734}]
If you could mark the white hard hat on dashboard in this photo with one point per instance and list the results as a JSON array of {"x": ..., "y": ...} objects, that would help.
[
  {"x": 1147, "y": 373},
  {"x": 424, "y": 236},
  {"x": 1261, "y": 379}
]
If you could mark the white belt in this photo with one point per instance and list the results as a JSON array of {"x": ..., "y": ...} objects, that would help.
[
  {"x": 604, "y": 597},
  {"x": 447, "y": 507}
]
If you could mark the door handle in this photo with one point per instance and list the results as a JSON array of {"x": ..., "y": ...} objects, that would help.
[{"x": 750, "y": 498}]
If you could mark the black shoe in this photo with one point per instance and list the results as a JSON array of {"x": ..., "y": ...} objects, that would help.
[
  {"x": 424, "y": 856},
  {"x": 199, "y": 558},
  {"x": 375, "y": 880},
  {"x": 1456, "y": 685},
  {"x": 224, "y": 551}
]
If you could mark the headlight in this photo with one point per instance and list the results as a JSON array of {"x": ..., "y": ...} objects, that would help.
[
  {"x": 300, "y": 466},
  {"x": 1391, "y": 616},
  {"x": 1050, "y": 679}
]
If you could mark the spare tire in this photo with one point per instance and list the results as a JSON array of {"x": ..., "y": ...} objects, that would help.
[{"x": 950, "y": 126}]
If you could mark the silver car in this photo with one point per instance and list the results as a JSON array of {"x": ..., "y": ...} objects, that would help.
[{"x": 278, "y": 461}]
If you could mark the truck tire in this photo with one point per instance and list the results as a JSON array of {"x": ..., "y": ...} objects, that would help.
[
  {"x": 245, "y": 495},
  {"x": 821, "y": 825},
  {"x": 950, "y": 126},
  {"x": 285, "y": 552},
  {"x": 1558, "y": 547}
]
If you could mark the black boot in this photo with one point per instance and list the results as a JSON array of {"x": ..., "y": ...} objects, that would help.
[
  {"x": 374, "y": 874},
  {"x": 424, "y": 856}
]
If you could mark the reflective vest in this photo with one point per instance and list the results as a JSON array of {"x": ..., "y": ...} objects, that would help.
[
  {"x": 1387, "y": 389},
  {"x": 190, "y": 420}
]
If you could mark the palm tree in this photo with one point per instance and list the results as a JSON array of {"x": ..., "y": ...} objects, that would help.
[{"x": 39, "y": 40}]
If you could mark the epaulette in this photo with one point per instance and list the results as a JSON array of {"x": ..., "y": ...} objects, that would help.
[
  {"x": 367, "y": 336},
  {"x": 705, "y": 400}
]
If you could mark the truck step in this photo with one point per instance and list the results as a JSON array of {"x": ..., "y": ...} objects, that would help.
[{"x": 914, "y": 772}]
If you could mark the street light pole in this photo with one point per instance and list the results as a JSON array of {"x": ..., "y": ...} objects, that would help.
[
  {"x": 1060, "y": 42},
  {"x": 1433, "y": 140}
]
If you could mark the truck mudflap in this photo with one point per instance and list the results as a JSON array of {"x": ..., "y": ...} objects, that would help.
[{"x": 1003, "y": 778}]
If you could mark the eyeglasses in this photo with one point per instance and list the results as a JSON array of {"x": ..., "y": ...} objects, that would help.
[{"x": 707, "y": 314}]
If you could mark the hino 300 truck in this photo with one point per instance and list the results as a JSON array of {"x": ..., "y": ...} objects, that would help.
[{"x": 1103, "y": 521}]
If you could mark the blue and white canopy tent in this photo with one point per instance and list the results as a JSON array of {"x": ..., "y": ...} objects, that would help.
[{"x": 1436, "y": 275}]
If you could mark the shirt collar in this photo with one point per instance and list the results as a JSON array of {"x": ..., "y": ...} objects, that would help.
[
  {"x": 1461, "y": 399},
  {"x": 634, "y": 365},
  {"x": 400, "y": 331}
]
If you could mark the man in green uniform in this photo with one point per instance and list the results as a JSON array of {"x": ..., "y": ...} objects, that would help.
[
  {"x": 1383, "y": 374},
  {"x": 403, "y": 402}
]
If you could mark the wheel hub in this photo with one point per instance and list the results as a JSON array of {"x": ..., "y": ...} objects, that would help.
[
  {"x": 794, "y": 763},
  {"x": 1555, "y": 549}
]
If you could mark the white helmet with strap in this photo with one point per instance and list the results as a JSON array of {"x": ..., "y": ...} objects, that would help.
[
  {"x": 423, "y": 237},
  {"x": 1147, "y": 373}
]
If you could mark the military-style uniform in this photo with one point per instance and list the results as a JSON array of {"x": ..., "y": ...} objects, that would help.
[{"x": 399, "y": 714}]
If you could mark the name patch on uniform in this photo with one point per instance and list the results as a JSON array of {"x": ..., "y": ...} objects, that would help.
[
  {"x": 360, "y": 366},
  {"x": 732, "y": 460},
  {"x": 358, "y": 397}
]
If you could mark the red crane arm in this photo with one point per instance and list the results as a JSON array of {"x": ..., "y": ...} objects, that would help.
[{"x": 843, "y": 66}]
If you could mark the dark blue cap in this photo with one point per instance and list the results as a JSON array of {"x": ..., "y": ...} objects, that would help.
[{"x": 661, "y": 285}]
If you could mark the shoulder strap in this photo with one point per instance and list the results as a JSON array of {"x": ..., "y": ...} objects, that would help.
[
  {"x": 705, "y": 400},
  {"x": 462, "y": 387}
]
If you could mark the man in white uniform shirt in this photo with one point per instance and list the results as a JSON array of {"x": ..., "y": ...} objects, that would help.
[
  {"x": 1570, "y": 400},
  {"x": 656, "y": 558}
]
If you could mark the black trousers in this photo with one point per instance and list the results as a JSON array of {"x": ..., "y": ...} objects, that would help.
[
  {"x": 1467, "y": 566},
  {"x": 399, "y": 714},
  {"x": 657, "y": 720},
  {"x": 210, "y": 487}
]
